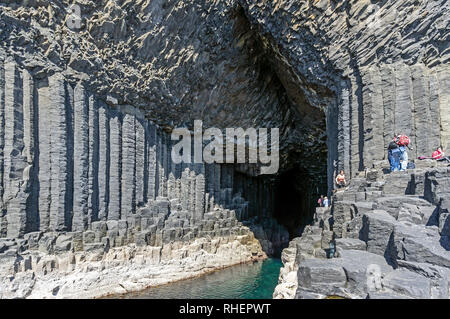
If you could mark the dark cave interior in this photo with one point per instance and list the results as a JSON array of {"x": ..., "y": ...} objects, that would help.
[
  {"x": 290, "y": 197},
  {"x": 296, "y": 197}
]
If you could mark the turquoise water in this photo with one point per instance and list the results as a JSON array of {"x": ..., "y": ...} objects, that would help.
[{"x": 246, "y": 281}]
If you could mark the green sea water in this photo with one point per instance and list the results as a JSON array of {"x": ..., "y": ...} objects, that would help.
[{"x": 246, "y": 281}]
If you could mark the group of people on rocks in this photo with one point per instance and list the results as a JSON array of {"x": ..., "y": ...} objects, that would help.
[
  {"x": 398, "y": 153},
  {"x": 398, "y": 161}
]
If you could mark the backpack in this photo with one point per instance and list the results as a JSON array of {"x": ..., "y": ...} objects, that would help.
[
  {"x": 403, "y": 140},
  {"x": 392, "y": 145}
]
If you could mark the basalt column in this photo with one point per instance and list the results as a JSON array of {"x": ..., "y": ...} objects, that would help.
[
  {"x": 81, "y": 159},
  {"x": 16, "y": 190}
]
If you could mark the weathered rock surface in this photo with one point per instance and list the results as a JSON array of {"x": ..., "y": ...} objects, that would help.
[
  {"x": 396, "y": 249},
  {"x": 376, "y": 67},
  {"x": 116, "y": 270}
]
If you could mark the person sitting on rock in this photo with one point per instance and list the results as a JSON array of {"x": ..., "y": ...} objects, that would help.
[
  {"x": 340, "y": 179},
  {"x": 439, "y": 155},
  {"x": 325, "y": 202}
]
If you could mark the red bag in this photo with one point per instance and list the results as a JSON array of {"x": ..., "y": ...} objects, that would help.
[{"x": 403, "y": 140}]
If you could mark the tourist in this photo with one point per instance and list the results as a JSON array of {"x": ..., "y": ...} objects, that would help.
[
  {"x": 320, "y": 201},
  {"x": 402, "y": 141},
  {"x": 439, "y": 155},
  {"x": 340, "y": 179},
  {"x": 393, "y": 159},
  {"x": 325, "y": 202}
]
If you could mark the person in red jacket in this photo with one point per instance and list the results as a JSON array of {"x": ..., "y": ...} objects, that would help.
[{"x": 439, "y": 155}]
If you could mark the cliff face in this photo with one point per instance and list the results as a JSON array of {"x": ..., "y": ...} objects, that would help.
[
  {"x": 90, "y": 187},
  {"x": 175, "y": 62},
  {"x": 376, "y": 67},
  {"x": 69, "y": 160},
  {"x": 87, "y": 185}
]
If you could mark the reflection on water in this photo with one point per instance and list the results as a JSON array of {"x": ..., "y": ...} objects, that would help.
[{"x": 246, "y": 281}]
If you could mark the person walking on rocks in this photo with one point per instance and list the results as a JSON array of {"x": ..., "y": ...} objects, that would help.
[
  {"x": 320, "y": 201},
  {"x": 340, "y": 179}
]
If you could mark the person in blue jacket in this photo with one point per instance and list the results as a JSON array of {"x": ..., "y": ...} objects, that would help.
[{"x": 394, "y": 154}]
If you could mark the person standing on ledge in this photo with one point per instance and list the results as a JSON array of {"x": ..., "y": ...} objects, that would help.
[
  {"x": 402, "y": 141},
  {"x": 340, "y": 179},
  {"x": 325, "y": 202}
]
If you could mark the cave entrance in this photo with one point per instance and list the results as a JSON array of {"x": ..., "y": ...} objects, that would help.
[{"x": 296, "y": 194}]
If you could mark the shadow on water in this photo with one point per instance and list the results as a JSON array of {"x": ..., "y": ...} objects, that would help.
[{"x": 246, "y": 281}]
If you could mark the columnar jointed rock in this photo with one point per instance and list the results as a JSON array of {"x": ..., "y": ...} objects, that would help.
[
  {"x": 348, "y": 74},
  {"x": 393, "y": 247},
  {"x": 87, "y": 191},
  {"x": 59, "y": 156},
  {"x": 81, "y": 154}
]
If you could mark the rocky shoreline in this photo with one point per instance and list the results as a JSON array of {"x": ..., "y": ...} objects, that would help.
[
  {"x": 107, "y": 271},
  {"x": 391, "y": 235}
]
